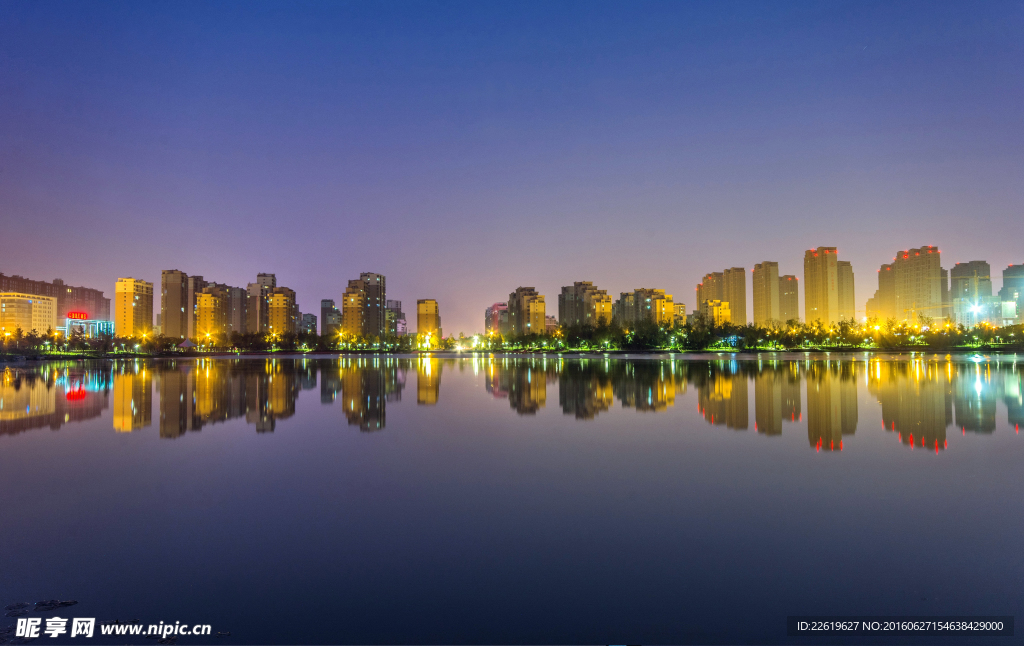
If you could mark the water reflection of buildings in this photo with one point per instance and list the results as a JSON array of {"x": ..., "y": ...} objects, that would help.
[
  {"x": 50, "y": 396},
  {"x": 648, "y": 386},
  {"x": 428, "y": 380},
  {"x": 364, "y": 386},
  {"x": 974, "y": 398},
  {"x": 196, "y": 393},
  {"x": 776, "y": 396},
  {"x": 721, "y": 393},
  {"x": 133, "y": 396},
  {"x": 916, "y": 399},
  {"x": 523, "y": 381},
  {"x": 585, "y": 389},
  {"x": 831, "y": 403}
]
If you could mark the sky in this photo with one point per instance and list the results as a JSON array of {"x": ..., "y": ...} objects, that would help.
[{"x": 466, "y": 149}]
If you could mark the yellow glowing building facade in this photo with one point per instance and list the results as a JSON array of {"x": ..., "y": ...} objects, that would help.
[
  {"x": 28, "y": 312},
  {"x": 526, "y": 313},
  {"x": 133, "y": 307},
  {"x": 716, "y": 311},
  {"x": 212, "y": 312},
  {"x": 282, "y": 311},
  {"x": 428, "y": 318}
]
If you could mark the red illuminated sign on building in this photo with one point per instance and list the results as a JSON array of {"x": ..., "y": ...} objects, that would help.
[{"x": 81, "y": 316}]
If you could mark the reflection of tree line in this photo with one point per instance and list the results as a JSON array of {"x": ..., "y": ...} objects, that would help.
[{"x": 919, "y": 399}]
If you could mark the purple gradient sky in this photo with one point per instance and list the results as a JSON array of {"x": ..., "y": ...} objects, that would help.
[{"x": 466, "y": 149}]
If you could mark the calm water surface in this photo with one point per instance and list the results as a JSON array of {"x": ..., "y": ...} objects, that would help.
[{"x": 498, "y": 500}]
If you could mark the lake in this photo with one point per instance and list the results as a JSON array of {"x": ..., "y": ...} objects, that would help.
[{"x": 643, "y": 499}]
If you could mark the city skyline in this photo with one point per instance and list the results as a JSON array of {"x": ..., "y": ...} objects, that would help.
[{"x": 594, "y": 142}]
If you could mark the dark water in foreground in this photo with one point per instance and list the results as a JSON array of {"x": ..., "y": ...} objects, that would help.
[{"x": 500, "y": 500}]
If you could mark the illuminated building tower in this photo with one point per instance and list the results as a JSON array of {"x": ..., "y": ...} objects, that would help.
[
  {"x": 27, "y": 312},
  {"x": 1013, "y": 290},
  {"x": 831, "y": 404},
  {"x": 307, "y": 323},
  {"x": 330, "y": 319},
  {"x": 679, "y": 318},
  {"x": 133, "y": 307},
  {"x": 789, "y": 298},
  {"x": 821, "y": 286},
  {"x": 716, "y": 312},
  {"x": 525, "y": 312},
  {"x": 193, "y": 285},
  {"x": 971, "y": 293},
  {"x": 428, "y": 318},
  {"x": 394, "y": 318},
  {"x": 917, "y": 275},
  {"x": 947, "y": 303},
  {"x": 212, "y": 312},
  {"x": 584, "y": 304},
  {"x": 282, "y": 311},
  {"x": 883, "y": 304},
  {"x": 847, "y": 299},
  {"x": 766, "y": 293},
  {"x": 173, "y": 300},
  {"x": 133, "y": 398},
  {"x": 734, "y": 291},
  {"x": 363, "y": 307},
  {"x": 238, "y": 306},
  {"x": 493, "y": 319},
  {"x": 645, "y": 304},
  {"x": 87, "y": 303},
  {"x": 711, "y": 288}
]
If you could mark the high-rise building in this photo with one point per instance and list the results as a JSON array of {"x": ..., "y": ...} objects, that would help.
[
  {"x": 711, "y": 288},
  {"x": 525, "y": 312},
  {"x": 679, "y": 320},
  {"x": 193, "y": 285},
  {"x": 26, "y": 312},
  {"x": 789, "y": 298},
  {"x": 583, "y": 304},
  {"x": 363, "y": 307},
  {"x": 847, "y": 299},
  {"x": 883, "y": 304},
  {"x": 716, "y": 311},
  {"x": 133, "y": 308},
  {"x": 267, "y": 280},
  {"x": 330, "y": 319},
  {"x": 212, "y": 312},
  {"x": 256, "y": 311},
  {"x": 173, "y": 300},
  {"x": 394, "y": 318},
  {"x": 821, "y": 285},
  {"x": 238, "y": 306},
  {"x": 428, "y": 318},
  {"x": 83, "y": 302},
  {"x": 734, "y": 290},
  {"x": 282, "y": 311},
  {"x": 917, "y": 284},
  {"x": 645, "y": 304},
  {"x": 492, "y": 318},
  {"x": 307, "y": 324},
  {"x": 766, "y": 293},
  {"x": 971, "y": 294},
  {"x": 1013, "y": 290}
]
